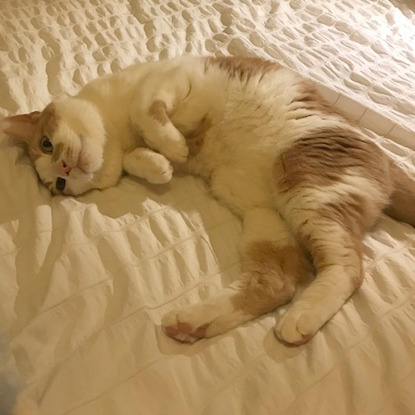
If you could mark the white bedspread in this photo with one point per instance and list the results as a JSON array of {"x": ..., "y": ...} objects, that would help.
[{"x": 85, "y": 281}]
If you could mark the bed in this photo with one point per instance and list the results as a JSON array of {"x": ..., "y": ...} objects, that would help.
[{"x": 85, "y": 281}]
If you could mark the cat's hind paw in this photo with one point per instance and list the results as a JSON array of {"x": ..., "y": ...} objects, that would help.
[
  {"x": 297, "y": 326},
  {"x": 208, "y": 319},
  {"x": 182, "y": 331}
]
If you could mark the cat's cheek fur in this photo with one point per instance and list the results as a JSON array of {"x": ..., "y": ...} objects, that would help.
[
  {"x": 46, "y": 170},
  {"x": 80, "y": 136},
  {"x": 76, "y": 183}
]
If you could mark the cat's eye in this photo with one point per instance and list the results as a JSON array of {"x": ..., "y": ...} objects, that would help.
[{"x": 46, "y": 145}]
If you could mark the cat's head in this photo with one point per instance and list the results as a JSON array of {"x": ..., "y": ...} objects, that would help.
[{"x": 65, "y": 141}]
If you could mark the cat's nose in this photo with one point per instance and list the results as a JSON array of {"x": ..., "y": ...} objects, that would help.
[{"x": 64, "y": 169}]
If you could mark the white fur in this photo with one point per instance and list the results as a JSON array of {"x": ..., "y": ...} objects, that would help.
[
  {"x": 312, "y": 310},
  {"x": 80, "y": 129},
  {"x": 111, "y": 114},
  {"x": 253, "y": 121},
  {"x": 217, "y": 313},
  {"x": 149, "y": 165}
]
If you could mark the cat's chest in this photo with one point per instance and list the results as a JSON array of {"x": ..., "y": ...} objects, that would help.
[{"x": 120, "y": 132}]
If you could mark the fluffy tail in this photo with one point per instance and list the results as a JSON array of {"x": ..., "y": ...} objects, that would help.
[{"x": 402, "y": 204}]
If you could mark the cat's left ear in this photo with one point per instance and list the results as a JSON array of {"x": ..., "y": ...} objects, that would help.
[{"x": 21, "y": 127}]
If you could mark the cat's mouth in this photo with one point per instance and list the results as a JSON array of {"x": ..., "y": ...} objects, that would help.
[{"x": 60, "y": 183}]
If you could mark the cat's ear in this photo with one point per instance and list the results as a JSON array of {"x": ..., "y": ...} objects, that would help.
[{"x": 21, "y": 127}]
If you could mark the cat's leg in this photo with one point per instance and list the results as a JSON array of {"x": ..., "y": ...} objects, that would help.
[
  {"x": 338, "y": 262},
  {"x": 272, "y": 266},
  {"x": 149, "y": 165},
  {"x": 150, "y": 111},
  {"x": 331, "y": 185}
]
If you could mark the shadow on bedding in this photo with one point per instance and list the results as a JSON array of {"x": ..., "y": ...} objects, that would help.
[{"x": 11, "y": 384}]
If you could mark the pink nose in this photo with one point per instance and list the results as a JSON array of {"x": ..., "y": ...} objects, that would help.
[{"x": 64, "y": 169}]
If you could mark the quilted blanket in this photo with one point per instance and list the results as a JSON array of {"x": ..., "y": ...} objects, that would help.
[{"x": 85, "y": 281}]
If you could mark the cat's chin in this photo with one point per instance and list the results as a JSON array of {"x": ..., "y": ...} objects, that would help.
[{"x": 79, "y": 182}]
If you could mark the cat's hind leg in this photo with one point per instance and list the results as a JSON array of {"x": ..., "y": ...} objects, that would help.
[
  {"x": 338, "y": 263},
  {"x": 272, "y": 266},
  {"x": 331, "y": 186}
]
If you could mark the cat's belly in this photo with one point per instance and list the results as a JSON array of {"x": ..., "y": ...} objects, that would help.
[
  {"x": 238, "y": 169},
  {"x": 242, "y": 187}
]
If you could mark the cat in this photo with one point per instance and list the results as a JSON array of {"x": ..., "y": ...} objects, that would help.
[{"x": 303, "y": 179}]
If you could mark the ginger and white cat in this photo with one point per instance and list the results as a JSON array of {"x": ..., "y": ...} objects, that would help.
[{"x": 301, "y": 177}]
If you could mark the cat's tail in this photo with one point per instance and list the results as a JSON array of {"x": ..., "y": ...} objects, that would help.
[{"x": 402, "y": 203}]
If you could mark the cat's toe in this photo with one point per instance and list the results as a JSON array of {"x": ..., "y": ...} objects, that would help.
[
  {"x": 180, "y": 330},
  {"x": 174, "y": 146},
  {"x": 161, "y": 174},
  {"x": 296, "y": 326},
  {"x": 176, "y": 151}
]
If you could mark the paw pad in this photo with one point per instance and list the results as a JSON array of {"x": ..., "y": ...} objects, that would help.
[{"x": 185, "y": 332}]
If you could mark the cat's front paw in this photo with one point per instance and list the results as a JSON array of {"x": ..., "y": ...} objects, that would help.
[
  {"x": 176, "y": 150},
  {"x": 172, "y": 144},
  {"x": 297, "y": 326},
  {"x": 149, "y": 165},
  {"x": 160, "y": 173}
]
